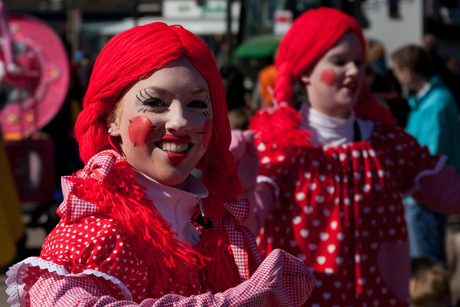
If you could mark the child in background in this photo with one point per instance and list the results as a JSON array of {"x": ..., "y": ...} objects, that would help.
[{"x": 429, "y": 284}]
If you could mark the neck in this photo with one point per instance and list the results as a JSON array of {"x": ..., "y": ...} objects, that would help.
[
  {"x": 176, "y": 205},
  {"x": 418, "y": 84},
  {"x": 327, "y": 130}
]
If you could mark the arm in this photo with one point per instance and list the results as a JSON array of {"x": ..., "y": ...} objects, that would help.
[
  {"x": 441, "y": 191},
  {"x": 261, "y": 202},
  {"x": 260, "y": 192},
  {"x": 281, "y": 280}
]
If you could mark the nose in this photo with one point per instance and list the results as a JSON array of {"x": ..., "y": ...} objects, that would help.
[
  {"x": 353, "y": 69},
  {"x": 177, "y": 122}
]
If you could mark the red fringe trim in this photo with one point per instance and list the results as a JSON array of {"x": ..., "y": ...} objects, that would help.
[
  {"x": 120, "y": 197},
  {"x": 281, "y": 128},
  {"x": 222, "y": 272}
]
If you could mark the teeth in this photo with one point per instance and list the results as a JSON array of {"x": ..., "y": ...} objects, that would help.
[{"x": 173, "y": 147}]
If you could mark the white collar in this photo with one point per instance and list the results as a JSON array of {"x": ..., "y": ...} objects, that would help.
[
  {"x": 176, "y": 206},
  {"x": 423, "y": 91},
  {"x": 327, "y": 130}
]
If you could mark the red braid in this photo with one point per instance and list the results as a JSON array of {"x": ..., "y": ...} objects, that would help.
[{"x": 130, "y": 56}]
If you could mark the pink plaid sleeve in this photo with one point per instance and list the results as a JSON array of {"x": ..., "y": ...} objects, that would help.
[{"x": 281, "y": 280}]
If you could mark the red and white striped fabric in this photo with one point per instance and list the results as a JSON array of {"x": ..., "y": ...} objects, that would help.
[{"x": 87, "y": 261}]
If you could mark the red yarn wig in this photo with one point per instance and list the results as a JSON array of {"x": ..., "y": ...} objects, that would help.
[
  {"x": 311, "y": 35},
  {"x": 138, "y": 52}
]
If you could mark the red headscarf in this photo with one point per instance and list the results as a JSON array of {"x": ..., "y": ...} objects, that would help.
[{"x": 129, "y": 57}]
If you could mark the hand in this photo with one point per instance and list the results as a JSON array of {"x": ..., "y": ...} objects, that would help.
[{"x": 247, "y": 160}]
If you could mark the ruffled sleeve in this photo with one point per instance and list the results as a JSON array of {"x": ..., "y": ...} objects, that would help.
[
  {"x": 282, "y": 280},
  {"x": 411, "y": 160}
]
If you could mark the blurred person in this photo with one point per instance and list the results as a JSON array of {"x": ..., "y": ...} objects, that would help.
[
  {"x": 429, "y": 284},
  {"x": 266, "y": 84},
  {"x": 238, "y": 111},
  {"x": 433, "y": 121},
  {"x": 450, "y": 78},
  {"x": 330, "y": 180},
  {"x": 382, "y": 84}
]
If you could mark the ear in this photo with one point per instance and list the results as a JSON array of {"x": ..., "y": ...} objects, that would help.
[
  {"x": 305, "y": 78},
  {"x": 115, "y": 127}
]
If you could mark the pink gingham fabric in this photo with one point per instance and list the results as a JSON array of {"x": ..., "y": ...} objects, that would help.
[
  {"x": 281, "y": 280},
  {"x": 86, "y": 261}
]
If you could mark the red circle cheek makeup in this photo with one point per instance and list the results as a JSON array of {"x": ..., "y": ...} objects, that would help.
[
  {"x": 328, "y": 77},
  {"x": 140, "y": 130}
]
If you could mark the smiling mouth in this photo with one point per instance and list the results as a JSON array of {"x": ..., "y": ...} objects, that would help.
[{"x": 173, "y": 147}]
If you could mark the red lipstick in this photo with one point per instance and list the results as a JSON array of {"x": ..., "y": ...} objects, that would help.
[
  {"x": 176, "y": 139},
  {"x": 176, "y": 158}
]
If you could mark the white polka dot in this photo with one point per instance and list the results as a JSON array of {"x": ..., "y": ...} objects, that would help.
[
  {"x": 301, "y": 257},
  {"x": 321, "y": 177},
  {"x": 308, "y": 209},
  {"x": 270, "y": 240},
  {"x": 315, "y": 163},
  {"x": 331, "y": 248},
  {"x": 340, "y": 236},
  {"x": 342, "y": 156},
  {"x": 330, "y": 189},
  {"x": 307, "y": 175},
  {"x": 296, "y": 220},
  {"x": 321, "y": 260},
  {"x": 380, "y": 210},
  {"x": 339, "y": 260},
  {"x": 316, "y": 223},
  {"x": 265, "y": 160},
  {"x": 280, "y": 158},
  {"x": 312, "y": 246},
  {"x": 356, "y": 153},
  {"x": 358, "y": 197},
  {"x": 324, "y": 236},
  {"x": 319, "y": 198},
  {"x": 334, "y": 225},
  {"x": 293, "y": 243},
  {"x": 312, "y": 186},
  {"x": 361, "y": 281},
  {"x": 326, "y": 212},
  {"x": 300, "y": 196},
  {"x": 304, "y": 233},
  {"x": 357, "y": 175}
]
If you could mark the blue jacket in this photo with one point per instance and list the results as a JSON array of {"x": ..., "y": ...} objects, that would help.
[{"x": 433, "y": 121}]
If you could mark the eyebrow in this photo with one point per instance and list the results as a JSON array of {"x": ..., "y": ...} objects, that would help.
[{"x": 196, "y": 90}]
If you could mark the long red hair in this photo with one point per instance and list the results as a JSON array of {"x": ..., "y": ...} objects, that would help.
[{"x": 130, "y": 56}]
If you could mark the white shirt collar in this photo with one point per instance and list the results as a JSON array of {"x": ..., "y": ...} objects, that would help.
[{"x": 176, "y": 206}]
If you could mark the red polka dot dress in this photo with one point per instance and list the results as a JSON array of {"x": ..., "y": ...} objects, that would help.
[
  {"x": 89, "y": 259},
  {"x": 340, "y": 211}
]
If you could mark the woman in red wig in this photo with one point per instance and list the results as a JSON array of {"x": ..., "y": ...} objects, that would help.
[
  {"x": 330, "y": 184},
  {"x": 155, "y": 109}
]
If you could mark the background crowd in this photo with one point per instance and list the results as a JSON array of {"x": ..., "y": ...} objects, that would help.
[{"x": 419, "y": 88}]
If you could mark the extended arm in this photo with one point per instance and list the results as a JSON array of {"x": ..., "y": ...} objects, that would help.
[
  {"x": 281, "y": 280},
  {"x": 441, "y": 191}
]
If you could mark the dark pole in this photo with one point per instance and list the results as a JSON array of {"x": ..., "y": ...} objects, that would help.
[{"x": 229, "y": 29}]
